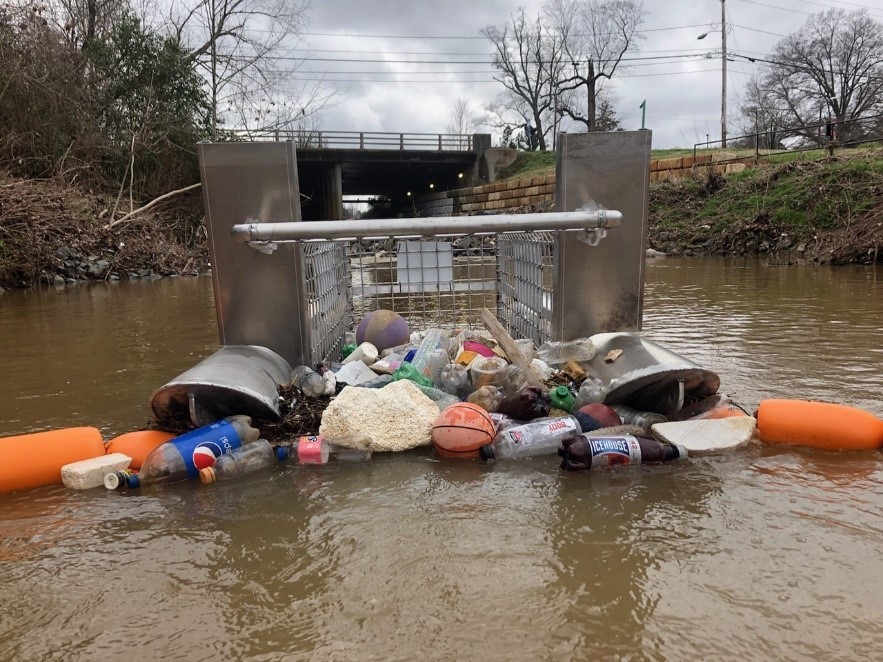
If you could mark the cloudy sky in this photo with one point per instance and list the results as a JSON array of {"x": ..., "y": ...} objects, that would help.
[{"x": 369, "y": 49}]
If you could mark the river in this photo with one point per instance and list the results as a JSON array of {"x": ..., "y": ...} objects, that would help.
[{"x": 769, "y": 552}]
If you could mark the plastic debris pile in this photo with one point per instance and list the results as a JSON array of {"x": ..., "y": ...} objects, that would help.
[{"x": 589, "y": 403}]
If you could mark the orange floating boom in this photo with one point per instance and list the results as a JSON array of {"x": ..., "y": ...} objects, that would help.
[
  {"x": 137, "y": 445},
  {"x": 823, "y": 425},
  {"x": 34, "y": 460}
]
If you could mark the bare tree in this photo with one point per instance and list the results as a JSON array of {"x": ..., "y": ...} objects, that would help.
[
  {"x": 595, "y": 35},
  {"x": 239, "y": 46},
  {"x": 528, "y": 60},
  {"x": 832, "y": 67},
  {"x": 463, "y": 121},
  {"x": 762, "y": 115}
]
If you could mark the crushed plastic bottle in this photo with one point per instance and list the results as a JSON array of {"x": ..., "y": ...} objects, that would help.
[
  {"x": 590, "y": 391},
  {"x": 455, "y": 380},
  {"x": 236, "y": 463},
  {"x": 643, "y": 419},
  {"x": 308, "y": 381},
  {"x": 559, "y": 352},
  {"x": 540, "y": 437},
  {"x": 433, "y": 340}
]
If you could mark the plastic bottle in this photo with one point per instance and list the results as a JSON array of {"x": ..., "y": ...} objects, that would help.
[
  {"x": 455, "y": 380},
  {"x": 439, "y": 397},
  {"x": 540, "y": 437},
  {"x": 116, "y": 480},
  {"x": 631, "y": 416},
  {"x": 408, "y": 371},
  {"x": 433, "y": 340},
  {"x": 378, "y": 382},
  {"x": 308, "y": 381},
  {"x": 183, "y": 457},
  {"x": 562, "y": 398},
  {"x": 562, "y": 351},
  {"x": 435, "y": 363},
  {"x": 590, "y": 391},
  {"x": 236, "y": 463},
  {"x": 366, "y": 353},
  {"x": 515, "y": 379},
  {"x": 582, "y": 452},
  {"x": 318, "y": 449},
  {"x": 486, "y": 397},
  {"x": 528, "y": 350}
]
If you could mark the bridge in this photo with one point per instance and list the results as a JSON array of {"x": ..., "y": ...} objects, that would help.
[{"x": 331, "y": 164}]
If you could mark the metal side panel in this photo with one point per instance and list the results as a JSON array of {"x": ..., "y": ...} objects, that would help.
[
  {"x": 259, "y": 298},
  {"x": 600, "y": 289}
]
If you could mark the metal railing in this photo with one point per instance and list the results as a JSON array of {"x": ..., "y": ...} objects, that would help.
[
  {"x": 825, "y": 135},
  {"x": 428, "y": 142}
]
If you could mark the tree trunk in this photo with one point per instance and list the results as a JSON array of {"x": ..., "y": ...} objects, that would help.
[{"x": 591, "y": 99}]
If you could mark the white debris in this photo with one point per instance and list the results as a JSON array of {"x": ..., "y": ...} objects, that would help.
[
  {"x": 707, "y": 435},
  {"x": 397, "y": 417},
  {"x": 86, "y": 474}
]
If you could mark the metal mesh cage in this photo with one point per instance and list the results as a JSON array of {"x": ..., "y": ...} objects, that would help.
[{"x": 431, "y": 282}]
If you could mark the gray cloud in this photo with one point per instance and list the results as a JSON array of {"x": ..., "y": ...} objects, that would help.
[{"x": 683, "y": 98}]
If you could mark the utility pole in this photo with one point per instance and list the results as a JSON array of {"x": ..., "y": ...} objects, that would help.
[{"x": 723, "y": 74}]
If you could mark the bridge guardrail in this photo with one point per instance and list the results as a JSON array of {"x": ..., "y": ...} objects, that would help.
[{"x": 440, "y": 142}]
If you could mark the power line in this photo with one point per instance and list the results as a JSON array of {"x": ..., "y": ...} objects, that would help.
[
  {"x": 870, "y": 9},
  {"x": 399, "y": 36},
  {"x": 764, "y": 4},
  {"x": 384, "y": 61}
]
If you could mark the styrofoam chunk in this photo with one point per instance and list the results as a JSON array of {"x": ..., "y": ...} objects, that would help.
[
  {"x": 86, "y": 474},
  {"x": 707, "y": 435}
]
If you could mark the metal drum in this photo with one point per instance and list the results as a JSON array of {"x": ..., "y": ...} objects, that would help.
[
  {"x": 647, "y": 376},
  {"x": 237, "y": 379}
]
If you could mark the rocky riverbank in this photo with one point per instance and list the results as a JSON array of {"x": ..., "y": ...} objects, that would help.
[{"x": 55, "y": 234}]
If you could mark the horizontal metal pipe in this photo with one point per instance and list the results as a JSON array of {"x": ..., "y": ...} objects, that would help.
[{"x": 426, "y": 227}]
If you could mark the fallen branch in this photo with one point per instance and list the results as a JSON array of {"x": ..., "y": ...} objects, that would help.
[{"x": 150, "y": 204}]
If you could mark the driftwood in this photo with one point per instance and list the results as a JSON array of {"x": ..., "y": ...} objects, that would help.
[
  {"x": 150, "y": 204},
  {"x": 508, "y": 344}
]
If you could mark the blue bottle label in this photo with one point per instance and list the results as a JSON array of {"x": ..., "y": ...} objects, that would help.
[
  {"x": 614, "y": 451},
  {"x": 204, "y": 445}
]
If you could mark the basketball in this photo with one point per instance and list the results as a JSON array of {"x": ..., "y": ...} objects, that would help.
[
  {"x": 383, "y": 329},
  {"x": 605, "y": 415},
  {"x": 461, "y": 429}
]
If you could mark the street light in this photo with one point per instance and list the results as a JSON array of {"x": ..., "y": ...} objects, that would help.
[{"x": 723, "y": 32}]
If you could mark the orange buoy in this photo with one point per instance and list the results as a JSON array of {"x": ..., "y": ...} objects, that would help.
[
  {"x": 33, "y": 460},
  {"x": 137, "y": 445},
  {"x": 818, "y": 424}
]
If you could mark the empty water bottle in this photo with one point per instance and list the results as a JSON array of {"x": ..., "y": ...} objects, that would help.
[
  {"x": 455, "y": 380},
  {"x": 317, "y": 449},
  {"x": 591, "y": 390},
  {"x": 433, "y": 340},
  {"x": 308, "y": 381},
  {"x": 183, "y": 457},
  {"x": 560, "y": 352},
  {"x": 441, "y": 398},
  {"x": 540, "y": 437},
  {"x": 631, "y": 416},
  {"x": 236, "y": 463}
]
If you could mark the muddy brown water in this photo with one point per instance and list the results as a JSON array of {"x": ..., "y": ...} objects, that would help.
[{"x": 765, "y": 553}]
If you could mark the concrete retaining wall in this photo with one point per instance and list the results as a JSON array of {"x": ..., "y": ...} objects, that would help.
[
  {"x": 681, "y": 166},
  {"x": 525, "y": 192}
]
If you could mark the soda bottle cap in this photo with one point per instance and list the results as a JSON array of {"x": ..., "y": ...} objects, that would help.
[
  {"x": 486, "y": 452},
  {"x": 133, "y": 482},
  {"x": 282, "y": 453},
  {"x": 682, "y": 451},
  {"x": 114, "y": 479},
  {"x": 207, "y": 475}
]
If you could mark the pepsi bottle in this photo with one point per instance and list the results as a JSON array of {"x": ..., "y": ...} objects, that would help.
[{"x": 183, "y": 457}]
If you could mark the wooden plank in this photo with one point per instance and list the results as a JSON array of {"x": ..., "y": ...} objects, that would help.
[{"x": 508, "y": 344}]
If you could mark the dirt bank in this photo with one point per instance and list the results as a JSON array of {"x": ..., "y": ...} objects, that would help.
[{"x": 53, "y": 233}]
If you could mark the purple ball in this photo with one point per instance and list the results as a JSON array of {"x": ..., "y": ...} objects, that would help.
[{"x": 383, "y": 329}]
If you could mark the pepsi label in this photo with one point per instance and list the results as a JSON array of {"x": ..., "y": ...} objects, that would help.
[
  {"x": 204, "y": 445},
  {"x": 614, "y": 451}
]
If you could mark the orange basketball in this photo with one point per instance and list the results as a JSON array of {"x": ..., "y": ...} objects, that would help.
[{"x": 461, "y": 429}]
